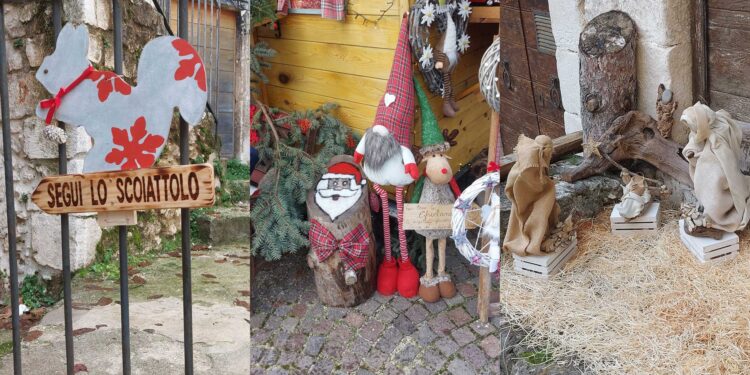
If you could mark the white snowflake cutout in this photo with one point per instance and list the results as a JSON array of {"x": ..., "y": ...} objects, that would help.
[
  {"x": 463, "y": 43},
  {"x": 428, "y": 14},
  {"x": 426, "y": 59},
  {"x": 464, "y": 9}
]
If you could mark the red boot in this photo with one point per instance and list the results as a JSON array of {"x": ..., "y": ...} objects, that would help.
[
  {"x": 408, "y": 279},
  {"x": 387, "y": 275}
]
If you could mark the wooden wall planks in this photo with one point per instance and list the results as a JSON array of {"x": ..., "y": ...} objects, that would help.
[{"x": 728, "y": 65}]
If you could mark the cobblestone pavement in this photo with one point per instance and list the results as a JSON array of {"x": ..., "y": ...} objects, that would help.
[{"x": 292, "y": 333}]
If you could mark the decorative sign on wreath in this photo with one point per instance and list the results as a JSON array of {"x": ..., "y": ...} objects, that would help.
[{"x": 488, "y": 228}]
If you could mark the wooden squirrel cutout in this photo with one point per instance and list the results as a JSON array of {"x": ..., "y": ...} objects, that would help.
[{"x": 129, "y": 124}]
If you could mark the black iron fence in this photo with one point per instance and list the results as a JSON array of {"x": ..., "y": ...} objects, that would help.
[{"x": 57, "y": 11}]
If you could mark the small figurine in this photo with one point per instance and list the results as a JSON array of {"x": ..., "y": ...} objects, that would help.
[
  {"x": 437, "y": 186},
  {"x": 447, "y": 58},
  {"x": 714, "y": 152},
  {"x": 665, "y": 107},
  {"x": 534, "y": 211},
  {"x": 635, "y": 196}
]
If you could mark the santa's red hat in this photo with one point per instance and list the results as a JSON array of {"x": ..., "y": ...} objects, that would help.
[
  {"x": 345, "y": 170},
  {"x": 396, "y": 108}
]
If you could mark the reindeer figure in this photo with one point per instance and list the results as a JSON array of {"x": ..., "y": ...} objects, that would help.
[{"x": 129, "y": 124}]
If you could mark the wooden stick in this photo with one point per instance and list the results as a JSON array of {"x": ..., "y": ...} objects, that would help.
[{"x": 485, "y": 282}]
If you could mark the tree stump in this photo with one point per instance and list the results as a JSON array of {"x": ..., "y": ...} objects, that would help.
[
  {"x": 607, "y": 77},
  {"x": 329, "y": 274},
  {"x": 607, "y": 74}
]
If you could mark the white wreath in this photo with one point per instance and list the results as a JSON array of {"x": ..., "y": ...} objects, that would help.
[{"x": 459, "y": 218}]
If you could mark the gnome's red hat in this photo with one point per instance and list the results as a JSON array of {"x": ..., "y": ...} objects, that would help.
[
  {"x": 345, "y": 170},
  {"x": 396, "y": 108}
]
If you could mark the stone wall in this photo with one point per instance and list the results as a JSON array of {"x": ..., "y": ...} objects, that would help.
[
  {"x": 663, "y": 51},
  {"x": 29, "y": 37}
]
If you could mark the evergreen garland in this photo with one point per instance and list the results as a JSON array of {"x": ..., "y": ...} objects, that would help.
[
  {"x": 295, "y": 161},
  {"x": 262, "y": 11}
]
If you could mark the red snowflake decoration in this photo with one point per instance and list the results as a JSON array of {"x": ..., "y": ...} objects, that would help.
[
  {"x": 107, "y": 83},
  {"x": 253, "y": 109},
  {"x": 304, "y": 125},
  {"x": 350, "y": 141},
  {"x": 187, "y": 67},
  {"x": 134, "y": 153},
  {"x": 254, "y": 137}
]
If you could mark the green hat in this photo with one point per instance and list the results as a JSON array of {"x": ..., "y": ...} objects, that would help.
[{"x": 432, "y": 138}]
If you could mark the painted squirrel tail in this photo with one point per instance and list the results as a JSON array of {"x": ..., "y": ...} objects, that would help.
[{"x": 173, "y": 68}]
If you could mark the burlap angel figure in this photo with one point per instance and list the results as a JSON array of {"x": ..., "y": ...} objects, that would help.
[
  {"x": 534, "y": 211},
  {"x": 714, "y": 152}
]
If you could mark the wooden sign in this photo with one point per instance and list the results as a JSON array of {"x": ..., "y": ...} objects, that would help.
[
  {"x": 183, "y": 186},
  {"x": 423, "y": 216}
]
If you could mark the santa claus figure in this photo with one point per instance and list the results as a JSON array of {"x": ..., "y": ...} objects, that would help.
[
  {"x": 388, "y": 161},
  {"x": 339, "y": 189}
]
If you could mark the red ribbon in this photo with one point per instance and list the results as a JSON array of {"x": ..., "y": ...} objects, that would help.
[
  {"x": 54, "y": 103},
  {"x": 353, "y": 248},
  {"x": 493, "y": 167}
]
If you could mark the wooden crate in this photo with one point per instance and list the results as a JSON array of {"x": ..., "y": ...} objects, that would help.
[
  {"x": 709, "y": 250},
  {"x": 647, "y": 222},
  {"x": 544, "y": 266}
]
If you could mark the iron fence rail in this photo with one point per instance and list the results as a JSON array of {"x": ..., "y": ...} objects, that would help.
[
  {"x": 57, "y": 11},
  {"x": 9, "y": 198}
]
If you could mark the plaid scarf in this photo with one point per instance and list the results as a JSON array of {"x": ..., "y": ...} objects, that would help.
[
  {"x": 333, "y": 9},
  {"x": 353, "y": 247}
]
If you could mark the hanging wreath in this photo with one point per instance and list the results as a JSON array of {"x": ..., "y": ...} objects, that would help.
[
  {"x": 425, "y": 13},
  {"x": 489, "y": 227},
  {"x": 488, "y": 75}
]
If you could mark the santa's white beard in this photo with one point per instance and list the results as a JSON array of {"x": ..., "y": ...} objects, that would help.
[{"x": 334, "y": 203}]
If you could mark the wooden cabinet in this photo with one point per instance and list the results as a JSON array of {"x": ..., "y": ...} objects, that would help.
[{"x": 530, "y": 101}]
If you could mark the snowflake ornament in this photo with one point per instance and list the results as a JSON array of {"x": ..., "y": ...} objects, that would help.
[
  {"x": 428, "y": 14},
  {"x": 426, "y": 59},
  {"x": 463, "y": 43},
  {"x": 138, "y": 149},
  {"x": 464, "y": 9}
]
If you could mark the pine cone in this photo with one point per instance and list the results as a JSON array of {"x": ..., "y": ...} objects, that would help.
[{"x": 55, "y": 134}]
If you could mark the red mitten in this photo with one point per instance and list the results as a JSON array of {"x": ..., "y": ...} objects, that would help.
[
  {"x": 412, "y": 169},
  {"x": 358, "y": 157},
  {"x": 387, "y": 274},
  {"x": 408, "y": 279}
]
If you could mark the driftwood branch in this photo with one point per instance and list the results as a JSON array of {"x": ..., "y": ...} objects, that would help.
[{"x": 633, "y": 136}]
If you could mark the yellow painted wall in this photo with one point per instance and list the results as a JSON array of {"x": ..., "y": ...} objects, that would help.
[{"x": 348, "y": 63}]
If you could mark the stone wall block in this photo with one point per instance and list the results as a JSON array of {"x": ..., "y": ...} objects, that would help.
[
  {"x": 37, "y": 146},
  {"x": 14, "y": 55},
  {"x": 46, "y": 237}
]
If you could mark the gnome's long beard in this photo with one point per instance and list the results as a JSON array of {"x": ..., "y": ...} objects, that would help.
[{"x": 379, "y": 148}]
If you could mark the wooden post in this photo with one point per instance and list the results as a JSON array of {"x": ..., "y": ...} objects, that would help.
[{"x": 485, "y": 283}]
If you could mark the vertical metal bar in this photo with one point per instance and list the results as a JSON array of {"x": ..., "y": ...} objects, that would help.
[
  {"x": 62, "y": 166},
  {"x": 187, "y": 295},
  {"x": 216, "y": 68},
  {"x": 10, "y": 203},
  {"x": 122, "y": 230}
]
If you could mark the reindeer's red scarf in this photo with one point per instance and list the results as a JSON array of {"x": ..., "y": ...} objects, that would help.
[{"x": 54, "y": 103}]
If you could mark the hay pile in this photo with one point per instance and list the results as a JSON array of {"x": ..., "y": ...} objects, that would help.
[{"x": 638, "y": 305}]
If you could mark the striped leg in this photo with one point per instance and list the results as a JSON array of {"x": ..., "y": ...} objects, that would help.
[
  {"x": 401, "y": 233},
  {"x": 386, "y": 220}
]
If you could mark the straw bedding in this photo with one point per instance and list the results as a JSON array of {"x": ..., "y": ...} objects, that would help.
[{"x": 638, "y": 305}]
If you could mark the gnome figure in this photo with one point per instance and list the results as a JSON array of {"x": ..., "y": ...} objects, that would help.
[
  {"x": 388, "y": 161},
  {"x": 447, "y": 57},
  {"x": 436, "y": 186}
]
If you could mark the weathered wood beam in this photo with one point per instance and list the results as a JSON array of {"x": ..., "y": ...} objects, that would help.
[{"x": 562, "y": 146}]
